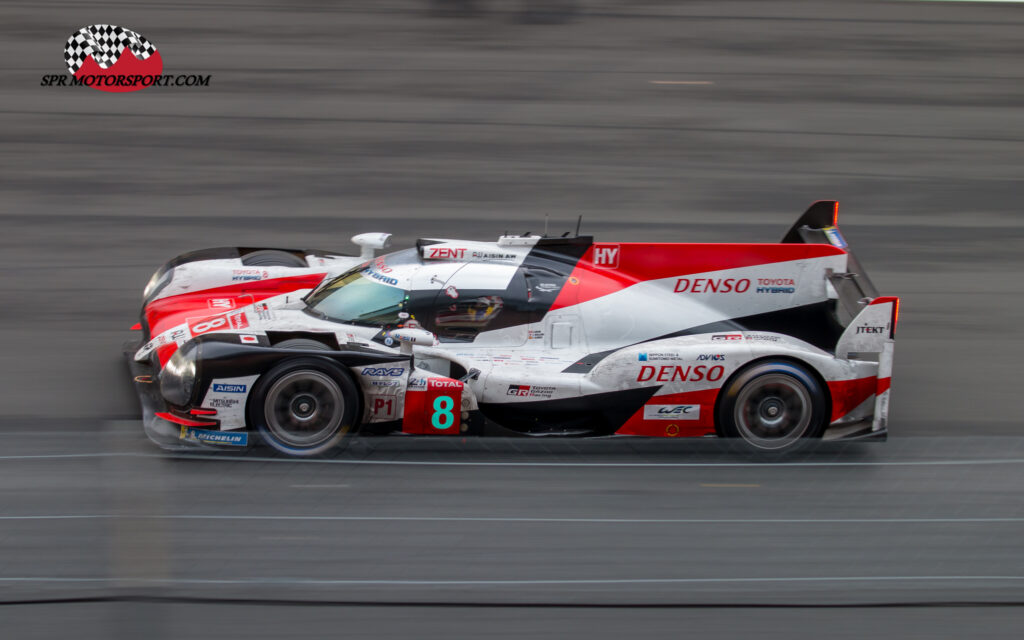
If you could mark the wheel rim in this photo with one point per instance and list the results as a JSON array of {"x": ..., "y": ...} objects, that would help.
[
  {"x": 304, "y": 408},
  {"x": 773, "y": 411}
]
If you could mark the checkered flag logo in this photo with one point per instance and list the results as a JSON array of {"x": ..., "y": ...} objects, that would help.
[{"x": 105, "y": 43}]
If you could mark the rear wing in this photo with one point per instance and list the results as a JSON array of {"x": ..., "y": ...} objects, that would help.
[{"x": 853, "y": 288}]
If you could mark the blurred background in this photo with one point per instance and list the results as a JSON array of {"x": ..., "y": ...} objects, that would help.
[{"x": 654, "y": 120}]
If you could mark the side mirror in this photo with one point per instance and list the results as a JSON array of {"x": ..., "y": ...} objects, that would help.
[
  {"x": 409, "y": 337},
  {"x": 368, "y": 242}
]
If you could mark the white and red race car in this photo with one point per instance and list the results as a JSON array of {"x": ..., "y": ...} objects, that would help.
[{"x": 771, "y": 344}]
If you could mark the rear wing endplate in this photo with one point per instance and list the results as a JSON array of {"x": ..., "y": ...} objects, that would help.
[{"x": 820, "y": 225}]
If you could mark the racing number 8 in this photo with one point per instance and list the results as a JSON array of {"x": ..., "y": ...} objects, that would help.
[{"x": 443, "y": 416}]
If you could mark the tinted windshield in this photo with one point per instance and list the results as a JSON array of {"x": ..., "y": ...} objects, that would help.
[{"x": 356, "y": 298}]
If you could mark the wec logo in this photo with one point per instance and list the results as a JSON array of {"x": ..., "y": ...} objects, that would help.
[{"x": 672, "y": 412}]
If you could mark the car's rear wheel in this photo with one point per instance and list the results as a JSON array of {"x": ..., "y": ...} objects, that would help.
[
  {"x": 773, "y": 407},
  {"x": 305, "y": 406},
  {"x": 272, "y": 258}
]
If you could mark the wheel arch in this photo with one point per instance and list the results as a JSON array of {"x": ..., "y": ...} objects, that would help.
[
  {"x": 813, "y": 370},
  {"x": 338, "y": 370}
]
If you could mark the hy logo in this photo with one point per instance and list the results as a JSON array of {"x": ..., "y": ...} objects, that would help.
[
  {"x": 107, "y": 54},
  {"x": 606, "y": 256}
]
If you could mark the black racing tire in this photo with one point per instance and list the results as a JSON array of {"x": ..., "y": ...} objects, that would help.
[
  {"x": 272, "y": 258},
  {"x": 302, "y": 344},
  {"x": 772, "y": 407},
  {"x": 305, "y": 406}
]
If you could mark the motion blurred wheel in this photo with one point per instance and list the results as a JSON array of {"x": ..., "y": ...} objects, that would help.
[
  {"x": 305, "y": 406},
  {"x": 272, "y": 258},
  {"x": 773, "y": 408}
]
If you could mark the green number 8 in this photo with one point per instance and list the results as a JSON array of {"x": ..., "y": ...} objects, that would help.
[{"x": 443, "y": 416}]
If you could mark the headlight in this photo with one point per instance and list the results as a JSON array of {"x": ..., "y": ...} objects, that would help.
[
  {"x": 158, "y": 281},
  {"x": 178, "y": 377}
]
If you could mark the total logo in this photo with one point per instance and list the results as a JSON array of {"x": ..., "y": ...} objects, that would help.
[
  {"x": 383, "y": 371},
  {"x": 443, "y": 383},
  {"x": 672, "y": 373},
  {"x": 672, "y": 412}
]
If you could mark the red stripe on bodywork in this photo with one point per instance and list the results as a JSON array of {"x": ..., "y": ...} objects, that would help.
[
  {"x": 171, "y": 311},
  {"x": 883, "y": 385},
  {"x": 164, "y": 352},
  {"x": 638, "y": 426},
  {"x": 640, "y": 262},
  {"x": 185, "y": 421},
  {"x": 847, "y": 395}
]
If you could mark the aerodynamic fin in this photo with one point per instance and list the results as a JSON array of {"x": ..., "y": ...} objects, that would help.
[{"x": 873, "y": 327}]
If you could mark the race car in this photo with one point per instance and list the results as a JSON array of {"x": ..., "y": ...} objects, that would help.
[{"x": 772, "y": 345}]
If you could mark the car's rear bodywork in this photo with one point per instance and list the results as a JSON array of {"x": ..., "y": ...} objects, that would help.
[{"x": 534, "y": 335}]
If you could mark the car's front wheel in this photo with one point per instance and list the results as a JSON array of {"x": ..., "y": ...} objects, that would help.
[
  {"x": 305, "y": 406},
  {"x": 773, "y": 407}
]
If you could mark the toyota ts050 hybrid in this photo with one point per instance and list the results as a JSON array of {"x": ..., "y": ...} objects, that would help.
[{"x": 770, "y": 344}]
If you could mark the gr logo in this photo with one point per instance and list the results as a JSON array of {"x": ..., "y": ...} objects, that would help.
[{"x": 606, "y": 256}]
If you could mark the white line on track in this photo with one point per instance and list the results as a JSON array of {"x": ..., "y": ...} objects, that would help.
[
  {"x": 484, "y": 463},
  {"x": 502, "y": 583},
  {"x": 524, "y": 520},
  {"x": 974, "y": 1}
]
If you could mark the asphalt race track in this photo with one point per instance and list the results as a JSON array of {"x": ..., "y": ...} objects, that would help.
[{"x": 681, "y": 121}]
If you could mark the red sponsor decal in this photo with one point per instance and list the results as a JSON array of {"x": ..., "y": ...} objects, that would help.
[
  {"x": 384, "y": 407},
  {"x": 199, "y": 326},
  {"x": 435, "y": 409},
  {"x": 727, "y": 336},
  {"x": 712, "y": 285},
  {"x": 673, "y": 373},
  {"x": 443, "y": 383},
  {"x": 224, "y": 304},
  {"x": 441, "y": 253}
]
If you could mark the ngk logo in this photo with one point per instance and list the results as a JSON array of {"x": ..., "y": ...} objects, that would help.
[{"x": 606, "y": 256}]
